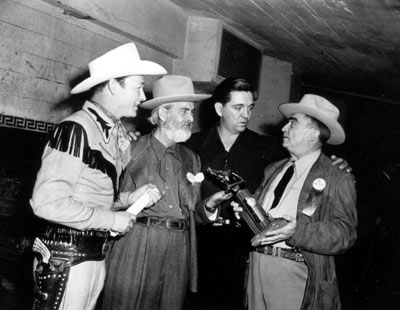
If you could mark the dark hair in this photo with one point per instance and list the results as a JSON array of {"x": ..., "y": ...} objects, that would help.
[
  {"x": 324, "y": 132},
  {"x": 99, "y": 87},
  {"x": 222, "y": 92}
]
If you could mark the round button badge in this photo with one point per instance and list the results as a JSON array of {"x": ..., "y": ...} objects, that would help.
[{"x": 319, "y": 184}]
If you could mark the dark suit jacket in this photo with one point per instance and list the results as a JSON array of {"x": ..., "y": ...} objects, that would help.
[{"x": 330, "y": 230}]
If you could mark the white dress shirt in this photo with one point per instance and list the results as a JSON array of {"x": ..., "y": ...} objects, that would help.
[{"x": 288, "y": 203}]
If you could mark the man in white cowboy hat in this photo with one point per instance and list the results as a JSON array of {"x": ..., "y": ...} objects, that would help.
[
  {"x": 152, "y": 266},
  {"x": 293, "y": 267},
  {"x": 76, "y": 189}
]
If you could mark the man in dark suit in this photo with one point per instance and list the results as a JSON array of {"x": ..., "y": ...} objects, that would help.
[{"x": 293, "y": 267}]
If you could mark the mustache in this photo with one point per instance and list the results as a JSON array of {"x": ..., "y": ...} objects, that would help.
[{"x": 180, "y": 126}]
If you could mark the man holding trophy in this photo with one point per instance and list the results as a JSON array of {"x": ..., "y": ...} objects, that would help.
[{"x": 292, "y": 266}]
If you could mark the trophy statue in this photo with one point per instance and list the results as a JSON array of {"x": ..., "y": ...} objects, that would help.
[{"x": 258, "y": 220}]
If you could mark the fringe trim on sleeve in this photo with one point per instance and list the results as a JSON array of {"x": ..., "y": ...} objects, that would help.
[{"x": 70, "y": 137}]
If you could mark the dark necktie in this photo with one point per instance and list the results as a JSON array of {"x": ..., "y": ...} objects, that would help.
[{"x": 280, "y": 188}]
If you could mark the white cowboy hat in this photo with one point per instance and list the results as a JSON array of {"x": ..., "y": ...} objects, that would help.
[
  {"x": 121, "y": 61},
  {"x": 321, "y": 109},
  {"x": 172, "y": 88}
]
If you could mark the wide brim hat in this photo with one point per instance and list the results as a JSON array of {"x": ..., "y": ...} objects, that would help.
[
  {"x": 322, "y": 110},
  {"x": 119, "y": 62},
  {"x": 173, "y": 88}
]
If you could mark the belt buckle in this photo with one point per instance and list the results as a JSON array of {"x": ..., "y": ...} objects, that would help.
[
  {"x": 276, "y": 251},
  {"x": 298, "y": 257},
  {"x": 105, "y": 248},
  {"x": 168, "y": 224}
]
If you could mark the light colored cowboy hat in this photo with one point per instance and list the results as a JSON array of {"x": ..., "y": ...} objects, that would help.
[
  {"x": 172, "y": 88},
  {"x": 121, "y": 61},
  {"x": 321, "y": 109}
]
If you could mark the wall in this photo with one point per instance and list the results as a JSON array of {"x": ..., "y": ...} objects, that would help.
[
  {"x": 46, "y": 45},
  {"x": 275, "y": 83},
  {"x": 274, "y": 90},
  {"x": 45, "y": 50}
]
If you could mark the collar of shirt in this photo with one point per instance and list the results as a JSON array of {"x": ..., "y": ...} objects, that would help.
[
  {"x": 161, "y": 152},
  {"x": 302, "y": 167},
  {"x": 157, "y": 146},
  {"x": 213, "y": 141},
  {"x": 104, "y": 120},
  {"x": 304, "y": 163},
  {"x": 160, "y": 148}
]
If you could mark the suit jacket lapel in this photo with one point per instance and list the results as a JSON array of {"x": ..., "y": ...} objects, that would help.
[
  {"x": 269, "y": 177},
  {"x": 138, "y": 148},
  {"x": 317, "y": 171},
  {"x": 187, "y": 191}
]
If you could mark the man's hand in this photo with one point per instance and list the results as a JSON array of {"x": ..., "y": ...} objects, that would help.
[
  {"x": 216, "y": 199},
  {"x": 133, "y": 135},
  {"x": 236, "y": 209},
  {"x": 343, "y": 164},
  {"x": 280, "y": 234},
  {"x": 251, "y": 201},
  {"x": 123, "y": 222},
  {"x": 153, "y": 194}
]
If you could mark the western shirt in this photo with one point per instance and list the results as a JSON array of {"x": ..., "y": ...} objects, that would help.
[
  {"x": 164, "y": 165},
  {"x": 77, "y": 183}
]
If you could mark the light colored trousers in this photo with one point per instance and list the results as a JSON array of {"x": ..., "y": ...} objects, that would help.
[
  {"x": 84, "y": 286},
  {"x": 275, "y": 283}
]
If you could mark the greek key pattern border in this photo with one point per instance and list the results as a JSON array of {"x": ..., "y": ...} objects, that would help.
[{"x": 25, "y": 123}]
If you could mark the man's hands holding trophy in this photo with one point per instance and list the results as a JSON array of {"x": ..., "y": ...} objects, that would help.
[
  {"x": 267, "y": 230},
  {"x": 278, "y": 229}
]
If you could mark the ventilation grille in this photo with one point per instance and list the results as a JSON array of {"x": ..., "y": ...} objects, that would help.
[{"x": 239, "y": 59}]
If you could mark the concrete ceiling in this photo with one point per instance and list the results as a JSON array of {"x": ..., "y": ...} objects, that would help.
[{"x": 347, "y": 45}]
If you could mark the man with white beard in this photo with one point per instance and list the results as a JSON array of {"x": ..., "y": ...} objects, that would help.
[{"x": 152, "y": 266}]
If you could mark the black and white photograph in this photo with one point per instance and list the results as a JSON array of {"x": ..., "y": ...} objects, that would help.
[{"x": 199, "y": 154}]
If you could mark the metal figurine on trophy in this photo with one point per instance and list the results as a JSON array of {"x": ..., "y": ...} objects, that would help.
[{"x": 258, "y": 220}]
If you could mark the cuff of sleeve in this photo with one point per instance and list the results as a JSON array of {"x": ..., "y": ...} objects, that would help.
[
  {"x": 212, "y": 214},
  {"x": 123, "y": 201},
  {"x": 293, "y": 240},
  {"x": 113, "y": 221},
  {"x": 208, "y": 209},
  {"x": 102, "y": 219}
]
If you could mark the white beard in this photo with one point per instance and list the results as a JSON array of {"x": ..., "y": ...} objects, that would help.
[{"x": 178, "y": 135}]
